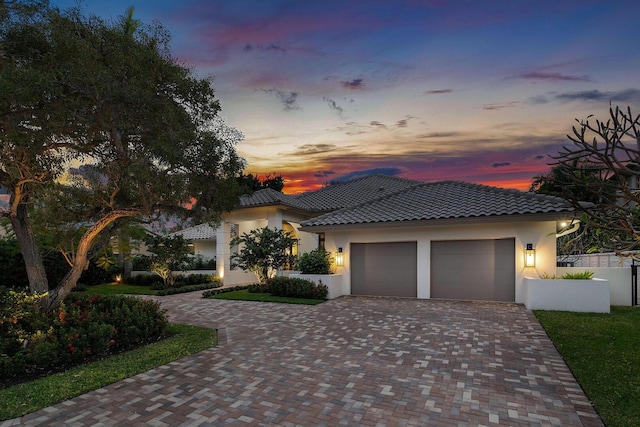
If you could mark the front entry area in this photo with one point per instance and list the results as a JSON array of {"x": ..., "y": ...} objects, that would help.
[
  {"x": 384, "y": 269},
  {"x": 473, "y": 270}
]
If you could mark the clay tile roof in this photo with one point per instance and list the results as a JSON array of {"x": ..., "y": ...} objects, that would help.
[
  {"x": 354, "y": 192},
  {"x": 332, "y": 197},
  {"x": 443, "y": 200},
  {"x": 269, "y": 196},
  {"x": 198, "y": 232}
]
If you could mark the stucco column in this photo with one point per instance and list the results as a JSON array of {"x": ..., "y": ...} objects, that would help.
[{"x": 222, "y": 248}]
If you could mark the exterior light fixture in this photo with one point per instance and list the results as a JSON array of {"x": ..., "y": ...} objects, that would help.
[
  {"x": 339, "y": 258},
  {"x": 530, "y": 256}
]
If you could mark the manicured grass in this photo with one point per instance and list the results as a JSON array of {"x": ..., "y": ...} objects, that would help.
[
  {"x": 119, "y": 288},
  {"x": 245, "y": 295},
  {"x": 603, "y": 352},
  {"x": 28, "y": 397}
]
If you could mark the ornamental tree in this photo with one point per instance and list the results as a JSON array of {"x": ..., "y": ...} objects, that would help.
[
  {"x": 108, "y": 95},
  {"x": 170, "y": 253},
  {"x": 263, "y": 251},
  {"x": 602, "y": 168}
]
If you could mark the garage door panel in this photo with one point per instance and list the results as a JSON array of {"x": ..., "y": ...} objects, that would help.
[
  {"x": 473, "y": 269},
  {"x": 384, "y": 269}
]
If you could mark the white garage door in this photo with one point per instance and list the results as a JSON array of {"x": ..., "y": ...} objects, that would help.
[
  {"x": 473, "y": 270},
  {"x": 384, "y": 269}
]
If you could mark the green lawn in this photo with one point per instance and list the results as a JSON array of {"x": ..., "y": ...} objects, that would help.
[
  {"x": 603, "y": 352},
  {"x": 119, "y": 288},
  {"x": 245, "y": 295},
  {"x": 28, "y": 397}
]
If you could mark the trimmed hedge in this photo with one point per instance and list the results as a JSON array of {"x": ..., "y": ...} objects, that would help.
[
  {"x": 292, "y": 287},
  {"x": 214, "y": 292},
  {"x": 189, "y": 288}
]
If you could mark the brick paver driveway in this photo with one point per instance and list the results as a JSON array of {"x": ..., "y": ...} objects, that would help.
[{"x": 350, "y": 361}]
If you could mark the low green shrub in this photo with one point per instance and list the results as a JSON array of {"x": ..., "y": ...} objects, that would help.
[
  {"x": 189, "y": 288},
  {"x": 294, "y": 287},
  {"x": 583, "y": 275},
  {"x": 195, "y": 279},
  {"x": 198, "y": 262},
  {"x": 141, "y": 262},
  {"x": 212, "y": 292},
  {"x": 318, "y": 261},
  {"x": 144, "y": 280},
  {"x": 84, "y": 327}
]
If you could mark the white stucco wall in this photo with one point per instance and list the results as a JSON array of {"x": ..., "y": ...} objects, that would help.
[
  {"x": 619, "y": 281},
  {"x": 251, "y": 219},
  {"x": 541, "y": 234},
  {"x": 206, "y": 249}
]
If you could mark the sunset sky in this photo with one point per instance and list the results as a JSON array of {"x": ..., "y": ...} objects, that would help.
[{"x": 479, "y": 91}]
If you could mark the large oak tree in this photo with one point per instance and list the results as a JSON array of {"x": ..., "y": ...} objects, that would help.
[{"x": 108, "y": 95}]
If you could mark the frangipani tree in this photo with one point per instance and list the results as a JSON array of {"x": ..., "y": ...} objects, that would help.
[{"x": 602, "y": 168}]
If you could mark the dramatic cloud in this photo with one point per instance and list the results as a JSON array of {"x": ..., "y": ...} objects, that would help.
[
  {"x": 334, "y": 106},
  {"x": 500, "y": 164},
  {"x": 353, "y": 84},
  {"x": 288, "y": 99},
  {"x": 323, "y": 174},
  {"x": 437, "y": 91},
  {"x": 554, "y": 77},
  {"x": 627, "y": 95},
  {"x": 362, "y": 173},
  {"x": 264, "y": 48},
  {"x": 309, "y": 149}
]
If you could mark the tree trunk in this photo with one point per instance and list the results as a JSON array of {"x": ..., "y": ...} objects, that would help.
[
  {"x": 81, "y": 259},
  {"x": 29, "y": 248}
]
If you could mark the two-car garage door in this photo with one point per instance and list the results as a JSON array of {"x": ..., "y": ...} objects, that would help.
[{"x": 469, "y": 269}]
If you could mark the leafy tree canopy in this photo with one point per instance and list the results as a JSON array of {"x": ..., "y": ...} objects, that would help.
[
  {"x": 255, "y": 182},
  {"x": 599, "y": 175},
  {"x": 263, "y": 251},
  {"x": 108, "y": 95}
]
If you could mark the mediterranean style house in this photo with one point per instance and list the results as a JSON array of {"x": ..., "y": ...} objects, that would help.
[{"x": 399, "y": 237}]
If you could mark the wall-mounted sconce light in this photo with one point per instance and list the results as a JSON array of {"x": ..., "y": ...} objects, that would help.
[
  {"x": 530, "y": 256},
  {"x": 339, "y": 258}
]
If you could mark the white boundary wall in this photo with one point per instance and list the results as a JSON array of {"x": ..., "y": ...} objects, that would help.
[{"x": 619, "y": 279}]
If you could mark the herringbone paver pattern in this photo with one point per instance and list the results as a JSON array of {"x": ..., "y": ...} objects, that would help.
[{"x": 347, "y": 362}]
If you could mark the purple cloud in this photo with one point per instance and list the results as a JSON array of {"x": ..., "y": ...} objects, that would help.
[
  {"x": 492, "y": 107},
  {"x": 627, "y": 95},
  {"x": 265, "y": 48},
  {"x": 323, "y": 174},
  {"x": 353, "y": 84},
  {"x": 554, "y": 77},
  {"x": 437, "y": 91},
  {"x": 500, "y": 164}
]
